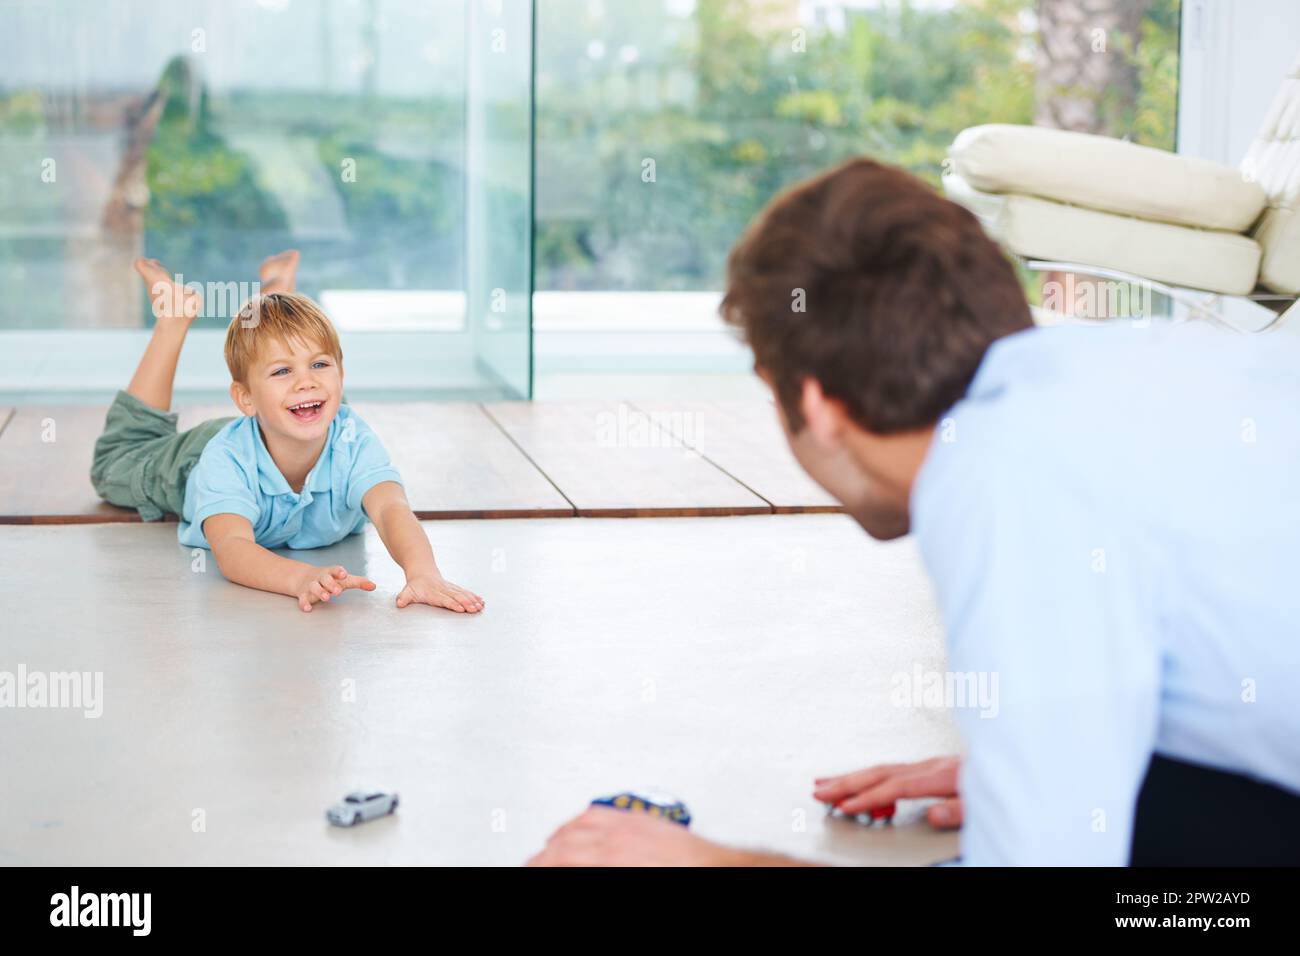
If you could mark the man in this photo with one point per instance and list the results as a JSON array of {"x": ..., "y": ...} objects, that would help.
[{"x": 1109, "y": 516}]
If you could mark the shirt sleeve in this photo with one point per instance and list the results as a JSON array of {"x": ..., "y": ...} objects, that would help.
[
  {"x": 1050, "y": 606},
  {"x": 370, "y": 464},
  {"x": 220, "y": 484}
]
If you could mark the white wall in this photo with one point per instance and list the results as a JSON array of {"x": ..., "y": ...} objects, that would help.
[{"x": 1234, "y": 55}]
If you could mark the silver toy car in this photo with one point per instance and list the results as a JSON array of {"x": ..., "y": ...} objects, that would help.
[{"x": 361, "y": 806}]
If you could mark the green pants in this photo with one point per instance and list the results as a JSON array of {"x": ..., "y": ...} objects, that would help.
[{"x": 140, "y": 460}]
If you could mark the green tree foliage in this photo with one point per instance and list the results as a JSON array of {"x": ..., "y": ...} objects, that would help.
[
  {"x": 770, "y": 105},
  {"x": 212, "y": 209},
  {"x": 203, "y": 195},
  {"x": 729, "y": 104}
]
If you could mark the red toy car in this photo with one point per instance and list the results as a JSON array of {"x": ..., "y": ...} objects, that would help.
[{"x": 885, "y": 813}]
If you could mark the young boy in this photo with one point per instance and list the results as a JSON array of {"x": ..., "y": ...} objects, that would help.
[{"x": 297, "y": 470}]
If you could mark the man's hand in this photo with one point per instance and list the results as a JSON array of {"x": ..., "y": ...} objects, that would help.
[
  {"x": 603, "y": 836},
  {"x": 321, "y": 584},
  {"x": 880, "y": 786},
  {"x": 437, "y": 591}
]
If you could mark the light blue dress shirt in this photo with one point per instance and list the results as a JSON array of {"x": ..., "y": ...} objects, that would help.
[
  {"x": 236, "y": 475},
  {"x": 1112, "y": 521}
]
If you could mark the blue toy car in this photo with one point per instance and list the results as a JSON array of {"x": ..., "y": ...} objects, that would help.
[{"x": 656, "y": 804}]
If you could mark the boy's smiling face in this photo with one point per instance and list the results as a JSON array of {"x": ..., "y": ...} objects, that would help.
[{"x": 294, "y": 388}]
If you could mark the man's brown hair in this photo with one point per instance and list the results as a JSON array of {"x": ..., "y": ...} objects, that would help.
[
  {"x": 867, "y": 280},
  {"x": 277, "y": 317}
]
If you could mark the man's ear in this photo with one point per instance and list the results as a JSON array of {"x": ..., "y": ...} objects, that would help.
[
  {"x": 243, "y": 398},
  {"x": 824, "y": 416}
]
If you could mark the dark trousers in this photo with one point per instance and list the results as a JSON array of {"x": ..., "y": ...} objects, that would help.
[{"x": 1188, "y": 815}]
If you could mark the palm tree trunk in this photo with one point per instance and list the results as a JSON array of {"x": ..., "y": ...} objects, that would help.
[
  {"x": 1087, "y": 66},
  {"x": 1087, "y": 79}
]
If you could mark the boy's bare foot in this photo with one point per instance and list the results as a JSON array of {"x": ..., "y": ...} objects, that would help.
[
  {"x": 170, "y": 299},
  {"x": 279, "y": 273},
  {"x": 175, "y": 307}
]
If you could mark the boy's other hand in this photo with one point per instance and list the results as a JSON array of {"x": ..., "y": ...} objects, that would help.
[
  {"x": 880, "y": 786},
  {"x": 437, "y": 591},
  {"x": 321, "y": 584},
  {"x": 170, "y": 300}
]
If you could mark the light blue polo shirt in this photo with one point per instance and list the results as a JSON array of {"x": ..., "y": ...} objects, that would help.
[
  {"x": 236, "y": 475},
  {"x": 1111, "y": 518}
]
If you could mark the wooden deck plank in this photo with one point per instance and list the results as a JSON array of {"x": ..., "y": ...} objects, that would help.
[
  {"x": 463, "y": 460},
  {"x": 45, "y": 466},
  {"x": 45, "y": 454},
  {"x": 744, "y": 439},
  {"x": 610, "y": 461},
  {"x": 456, "y": 463}
]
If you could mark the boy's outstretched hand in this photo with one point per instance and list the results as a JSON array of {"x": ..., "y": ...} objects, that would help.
[
  {"x": 437, "y": 591},
  {"x": 321, "y": 584}
]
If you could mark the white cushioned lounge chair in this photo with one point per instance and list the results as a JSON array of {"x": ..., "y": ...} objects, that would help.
[{"x": 1191, "y": 228}]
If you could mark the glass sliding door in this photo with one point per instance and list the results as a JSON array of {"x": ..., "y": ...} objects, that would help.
[
  {"x": 499, "y": 171},
  {"x": 212, "y": 133}
]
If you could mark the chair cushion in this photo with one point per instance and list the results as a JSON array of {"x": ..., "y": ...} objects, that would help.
[
  {"x": 1279, "y": 235},
  {"x": 1214, "y": 261},
  {"x": 1110, "y": 175},
  {"x": 1274, "y": 162}
]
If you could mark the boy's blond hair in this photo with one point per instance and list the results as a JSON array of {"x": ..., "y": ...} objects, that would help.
[{"x": 280, "y": 316}]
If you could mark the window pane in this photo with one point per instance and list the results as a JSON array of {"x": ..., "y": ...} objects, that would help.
[
  {"x": 211, "y": 133},
  {"x": 499, "y": 164},
  {"x": 665, "y": 125}
]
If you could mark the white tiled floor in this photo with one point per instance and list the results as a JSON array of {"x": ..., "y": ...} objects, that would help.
[{"x": 729, "y": 660}]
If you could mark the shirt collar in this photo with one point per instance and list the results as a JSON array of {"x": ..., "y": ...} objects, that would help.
[
  {"x": 988, "y": 377},
  {"x": 272, "y": 482},
  {"x": 987, "y": 381}
]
